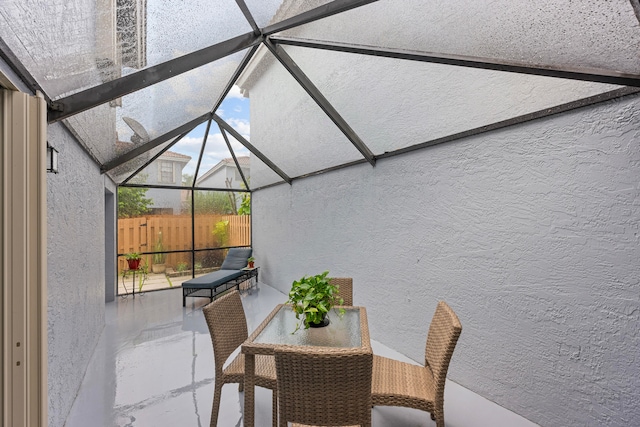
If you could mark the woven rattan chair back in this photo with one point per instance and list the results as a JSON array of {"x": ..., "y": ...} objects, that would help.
[
  {"x": 443, "y": 335},
  {"x": 345, "y": 289},
  {"x": 324, "y": 386},
  {"x": 227, "y": 325}
]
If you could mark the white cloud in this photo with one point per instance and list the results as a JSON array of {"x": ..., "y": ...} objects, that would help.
[
  {"x": 242, "y": 126},
  {"x": 234, "y": 92}
]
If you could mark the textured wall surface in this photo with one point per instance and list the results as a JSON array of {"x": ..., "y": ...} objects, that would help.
[
  {"x": 75, "y": 250},
  {"x": 530, "y": 233}
]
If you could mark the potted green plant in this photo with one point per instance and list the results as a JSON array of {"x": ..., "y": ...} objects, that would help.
[
  {"x": 159, "y": 258},
  {"x": 313, "y": 297},
  {"x": 133, "y": 259},
  {"x": 250, "y": 261}
]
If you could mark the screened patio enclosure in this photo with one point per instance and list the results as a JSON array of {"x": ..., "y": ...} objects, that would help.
[
  {"x": 351, "y": 129},
  {"x": 130, "y": 78}
]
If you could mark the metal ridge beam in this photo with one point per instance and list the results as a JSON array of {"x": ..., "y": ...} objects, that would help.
[
  {"x": 92, "y": 97},
  {"x": 224, "y": 125},
  {"x": 182, "y": 187},
  {"x": 329, "y": 9},
  {"x": 324, "y": 104},
  {"x": 185, "y": 128},
  {"x": 584, "y": 74}
]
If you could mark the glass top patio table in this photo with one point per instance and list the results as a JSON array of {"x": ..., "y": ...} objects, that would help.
[
  {"x": 342, "y": 331},
  {"x": 347, "y": 331}
]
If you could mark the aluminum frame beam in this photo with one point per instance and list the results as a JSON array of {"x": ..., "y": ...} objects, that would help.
[
  {"x": 248, "y": 16},
  {"x": 635, "y": 4},
  {"x": 329, "y": 9},
  {"x": 92, "y": 97},
  {"x": 235, "y": 159},
  {"x": 289, "y": 64},
  {"x": 584, "y": 74},
  {"x": 224, "y": 125}
]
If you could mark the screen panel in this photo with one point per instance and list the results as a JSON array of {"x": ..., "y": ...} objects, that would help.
[
  {"x": 72, "y": 45},
  {"x": 281, "y": 111},
  {"x": 576, "y": 33},
  {"x": 395, "y": 103}
]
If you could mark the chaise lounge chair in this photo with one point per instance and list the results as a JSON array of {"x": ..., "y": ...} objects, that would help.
[{"x": 230, "y": 275}]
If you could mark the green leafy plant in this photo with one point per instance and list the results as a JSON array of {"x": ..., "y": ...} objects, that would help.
[
  {"x": 221, "y": 231},
  {"x": 182, "y": 266},
  {"x": 159, "y": 257},
  {"x": 251, "y": 259},
  {"x": 132, "y": 256},
  {"x": 313, "y": 297}
]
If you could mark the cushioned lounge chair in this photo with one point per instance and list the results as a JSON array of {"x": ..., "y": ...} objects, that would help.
[{"x": 230, "y": 275}]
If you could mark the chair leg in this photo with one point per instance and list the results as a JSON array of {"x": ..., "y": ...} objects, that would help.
[
  {"x": 439, "y": 419},
  {"x": 216, "y": 405},
  {"x": 241, "y": 386},
  {"x": 274, "y": 409}
]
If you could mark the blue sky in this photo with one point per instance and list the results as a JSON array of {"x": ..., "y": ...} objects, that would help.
[{"x": 235, "y": 111}]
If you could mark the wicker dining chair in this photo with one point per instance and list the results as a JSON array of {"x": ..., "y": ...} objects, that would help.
[
  {"x": 397, "y": 383},
  {"x": 345, "y": 289},
  {"x": 228, "y": 328},
  {"x": 324, "y": 386}
]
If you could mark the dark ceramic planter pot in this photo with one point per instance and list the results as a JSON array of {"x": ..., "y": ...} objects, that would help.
[{"x": 325, "y": 322}]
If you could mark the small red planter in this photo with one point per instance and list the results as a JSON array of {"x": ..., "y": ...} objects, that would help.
[{"x": 134, "y": 264}]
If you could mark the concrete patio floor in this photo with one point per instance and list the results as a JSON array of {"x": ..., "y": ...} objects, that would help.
[{"x": 153, "y": 367}]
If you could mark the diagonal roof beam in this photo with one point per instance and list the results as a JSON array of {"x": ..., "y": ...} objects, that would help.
[
  {"x": 227, "y": 127},
  {"x": 636, "y": 8},
  {"x": 248, "y": 16},
  {"x": 202, "y": 148},
  {"x": 232, "y": 81},
  {"x": 92, "y": 97},
  {"x": 319, "y": 98},
  {"x": 129, "y": 155},
  {"x": 235, "y": 159},
  {"x": 329, "y": 9},
  {"x": 584, "y": 74}
]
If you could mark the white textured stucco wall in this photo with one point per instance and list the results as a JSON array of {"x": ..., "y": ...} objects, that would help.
[
  {"x": 530, "y": 233},
  {"x": 76, "y": 272}
]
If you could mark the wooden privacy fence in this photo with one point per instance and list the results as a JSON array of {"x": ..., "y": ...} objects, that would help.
[{"x": 142, "y": 234}]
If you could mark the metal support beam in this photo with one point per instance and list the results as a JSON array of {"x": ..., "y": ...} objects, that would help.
[
  {"x": 232, "y": 81},
  {"x": 185, "y": 128},
  {"x": 204, "y": 144},
  {"x": 235, "y": 160},
  {"x": 95, "y": 96},
  {"x": 329, "y": 9},
  {"x": 636, "y": 8},
  {"x": 247, "y": 14},
  {"x": 584, "y": 74},
  {"x": 319, "y": 98},
  {"x": 224, "y": 125}
]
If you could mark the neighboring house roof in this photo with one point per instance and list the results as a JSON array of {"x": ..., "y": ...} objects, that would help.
[
  {"x": 175, "y": 156},
  {"x": 243, "y": 161}
]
